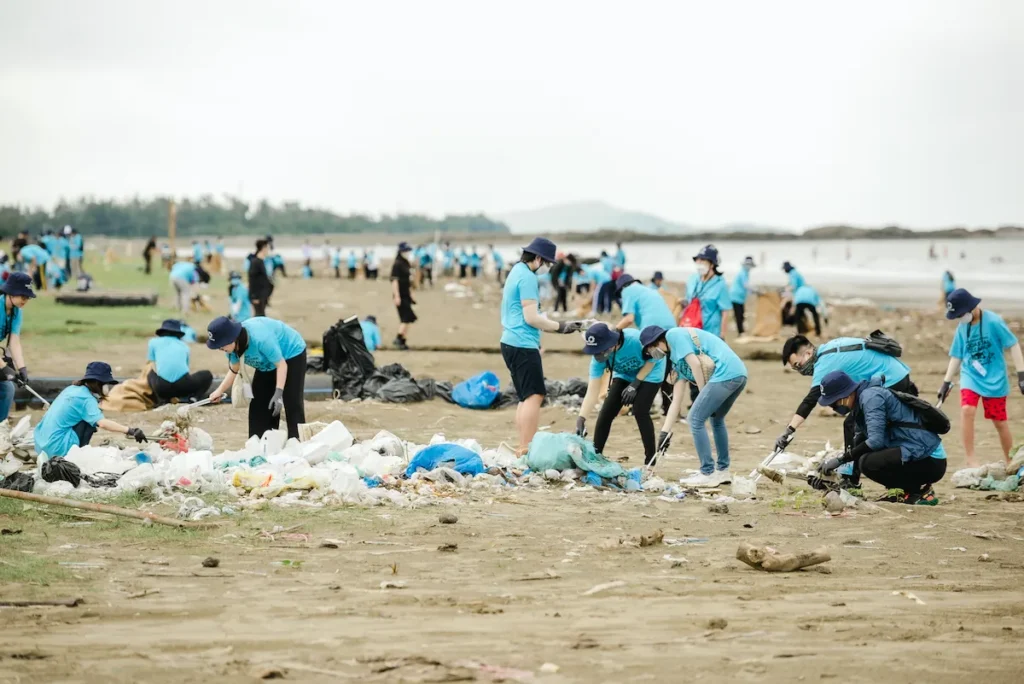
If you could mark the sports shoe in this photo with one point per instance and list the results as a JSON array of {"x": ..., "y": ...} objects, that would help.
[
  {"x": 926, "y": 499},
  {"x": 723, "y": 477},
  {"x": 699, "y": 480}
]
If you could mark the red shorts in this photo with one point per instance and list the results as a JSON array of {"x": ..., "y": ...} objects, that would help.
[{"x": 995, "y": 407}]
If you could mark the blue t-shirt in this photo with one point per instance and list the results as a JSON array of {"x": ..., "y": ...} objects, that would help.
[
  {"x": 171, "y": 357},
  {"x": 521, "y": 284},
  {"x": 9, "y": 325},
  {"x": 499, "y": 262},
  {"x": 647, "y": 306},
  {"x": 352, "y": 260},
  {"x": 270, "y": 342},
  {"x": 714, "y": 299},
  {"x": 980, "y": 349},
  {"x": 474, "y": 260},
  {"x": 336, "y": 259},
  {"x": 371, "y": 335},
  {"x": 62, "y": 248},
  {"x": 805, "y": 294},
  {"x": 607, "y": 263},
  {"x": 197, "y": 252},
  {"x": 861, "y": 364},
  {"x": 727, "y": 364},
  {"x": 625, "y": 363},
  {"x": 596, "y": 274},
  {"x": 34, "y": 253},
  {"x": 620, "y": 258},
  {"x": 183, "y": 270},
  {"x": 55, "y": 434},
  {"x": 240, "y": 300},
  {"x": 738, "y": 291},
  {"x": 76, "y": 245},
  {"x": 796, "y": 279},
  {"x": 220, "y": 248},
  {"x": 463, "y": 259},
  {"x": 948, "y": 284}
]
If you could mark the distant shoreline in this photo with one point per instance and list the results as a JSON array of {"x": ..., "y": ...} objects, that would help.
[{"x": 824, "y": 233}]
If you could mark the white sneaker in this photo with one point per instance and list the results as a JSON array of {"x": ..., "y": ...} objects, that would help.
[
  {"x": 699, "y": 480},
  {"x": 722, "y": 477}
]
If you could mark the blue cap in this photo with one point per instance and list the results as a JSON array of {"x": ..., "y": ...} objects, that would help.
[
  {"x": 371, "y": 318},
  {"x": 658, "y": 275},
  {"x": 835, "y": 386},
  {"x": 651, "y": 334},
  {"x": 543, "y": 248},
  {"x": 221, "y": 332},
  {"x": 404, "y": 246},
  {"x": 786, "y": 266},
  {"x": 599, "y": 338},
  {"x": 624, "y": 280},
  {"x": 708, "y": 253},
  {"x": 100, "y": 372},
  {"x": 959, "y": 302},
  {"x": 18, "y": 285},
  {"x": 170, "y": 327}
]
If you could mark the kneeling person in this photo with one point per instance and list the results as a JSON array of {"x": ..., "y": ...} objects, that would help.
[{"x": 170, "y": 378}]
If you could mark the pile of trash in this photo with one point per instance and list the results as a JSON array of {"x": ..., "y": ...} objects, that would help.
[{"x": 997, "y": 477}]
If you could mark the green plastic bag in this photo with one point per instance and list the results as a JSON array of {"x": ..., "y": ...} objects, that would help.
[{"x": 564, "y": 450}]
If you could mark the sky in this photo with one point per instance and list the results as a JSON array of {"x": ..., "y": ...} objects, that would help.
[{"x": 790, "y": 113}]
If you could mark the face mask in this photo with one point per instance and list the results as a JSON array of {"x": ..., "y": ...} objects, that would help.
[
  {"x": 842, "y": 410},
  {"x": 543, "y": 270},
  {"x": 967, "y": 317},
  {"x": 657, "y": 354},
  {"x": 703, "y": 269},
  {"x": 106, "y": 390}
]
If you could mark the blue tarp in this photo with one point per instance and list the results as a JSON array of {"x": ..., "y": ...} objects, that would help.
[{"x": 463, "y": 460}]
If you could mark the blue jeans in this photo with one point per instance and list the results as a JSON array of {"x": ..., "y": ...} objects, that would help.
[
  {"x": 714, "y": 402},
  {"x": 6, "y": 399}
]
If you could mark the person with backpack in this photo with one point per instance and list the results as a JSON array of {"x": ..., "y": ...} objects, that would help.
[
  {"x": 897, "y": 439},
  {"x": 977, "y": 352},
  {"x": 707, "y": 295}
]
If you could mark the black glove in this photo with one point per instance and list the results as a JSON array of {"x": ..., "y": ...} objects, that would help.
[
  {"x": 277, "y": 403},
  {"x": 1020, "y": 381},
  {"x": 566, "y": 327},
  {"x": 785, "y": 438},
  {"x": 137, "y": 434},
  {"x": 664, "y": 439},
  {"x": 947, "y": 386},
  {"x": 22, "y": 376},
  {"x": 8, "y": 373},
  {"x": 629, "y": 394},
  {"x": 581, "y": 426}
]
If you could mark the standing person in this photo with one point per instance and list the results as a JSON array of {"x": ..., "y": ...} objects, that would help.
[
  {"x": 207, "y": 251},
  {"x": 894, "y": 444},
  {"x": 147, "y": 254},
  {"x": 499, "y": 264},
  {"x": 277, "y": 353},
  {"x": 16, "y": 291},
  {"x": 561, "y": 278},
  {"x": 474, "y": 262},
  {"x": 185, "y": 277},
  {"x": 48, "y": 241},
  {"x": 75, "y": 415},
  {"x": 463, "y": 262},
  {"x": 635, "y": 383},
  {"x": 260, "y": 285},
  {"x": 197, "y": 253},
  {"x": 739, "y": 291},
  {"x": 63, "y": 248},
  {"x": 656, "y": 281},
  {"x": 335, "y": 262},
  {"x": 795, "y": 278},
  {"x": 371, "y": 333},
  {"x": 328, "y": 255},
  {"x": 522, "y": 323},
  {"x": 219, "y": 248},
  {"x": 948, "y": 285},
  {"x": 426, "y": 264},
  {"x": 449, "y": 260},
  {"x": 687, "y": 350},
  {"x": 238, "y": 294},
  {"x": 707, "y": 286},
  {"x": 307, "y": 253},
  {"x": 374, "y": 262},
  {"x": 353, "y": 264},
  {"x": 401, "y": 279},
  {"x": 76, "y": 246},
  {"x": 607, "y": 262},
  {"x": 620, "y": 256},
  {"x": 977, "y": 352},
  {"x": 170, "y": 356}
]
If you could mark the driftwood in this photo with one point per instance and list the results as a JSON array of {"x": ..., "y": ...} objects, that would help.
[
  {"x": 105, "y": 508},
  {"x": 67, "y": 603},
  {"x": 768, "y": 559}
]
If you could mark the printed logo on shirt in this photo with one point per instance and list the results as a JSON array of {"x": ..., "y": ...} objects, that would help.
[
  {"x": 629, "y": 366},
  {"x": 978, "y": 350}
]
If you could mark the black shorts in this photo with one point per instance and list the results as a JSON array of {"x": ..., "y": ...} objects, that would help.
[
  {"x": 405, "y": 313},
  {"x": 526, "y": 369}
]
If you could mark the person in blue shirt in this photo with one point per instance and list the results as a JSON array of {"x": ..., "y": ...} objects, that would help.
[
  {"x": 197, "y": 253},
  {"x": 75, "y": 415},
  {"x": 463, "y": 262},
  {"x": 739, "y": 291},
  {"x": 426, "y": 264},
  {"x": 978, "y": 351},
  {"x": 277, "y": 353},
  {"x": 607, "y": 262},
  {"x": 708, "y": 286},
  {"x": 55, "y": 275},
  {"x": 170, "y": 356},
  {"x": 620, "y": 256},
  {"x": 499, "y": 263},
  {"x": 642, "y": 306},
  {"x": 352, "y": 264},
  {"x": 948, "y": 285},
  {"x": 62, "y": 249},
  {"x": 795, "y": 278},
  {"x": 706, "y": 361},
  {"x": 602, "y": 287},
  {"x": 76, "y": 247},
  {"x": 335, "y": 262},
  {"x": 371, "y": 333},
  {"x": 522, "y": 323},
  {"x": 635, "y": 382},
  {"x": 16, "y": 291},
  {"x": 656, "y": 281},
  {"x": 48, "y": 241},
  {"x": 807, "y": 302},
  {"x": 186, "y": 278},
  {"x": 474, "y": 263},
  {"x": 34, "y": 259},
  {"x": 892, "y": 446},
  {"x": 238, "y": 294},
  {"x": 207, "y": 251},
  {"x": 219, "y": 247},
  {"x": 307, "y": 270}
]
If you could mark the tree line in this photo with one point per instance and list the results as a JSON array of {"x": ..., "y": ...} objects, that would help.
[{"x": 230, "y": 216}]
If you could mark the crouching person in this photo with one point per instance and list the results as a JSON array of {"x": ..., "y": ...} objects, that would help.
[
  {"x": 170, "y": 378},
  {"x": 896, "y": 437},
  {"x": 75, "y": 414}
]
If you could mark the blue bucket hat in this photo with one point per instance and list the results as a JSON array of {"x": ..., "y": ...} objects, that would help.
[
  {"x": 959, "y": 302},
  {"x": 835, "y": 386},
  {"x": 170, "y": 328},
  {"x": 18, "y": 285},
  {"x": 624, "y": 280},
  {"x": 543, "y": 248},
  {"x": 371, "y": 318},
  {"x": 100, "y": 372},
  {"x": 658, "y": 275},
  {"x": 749, "y": 261},
  {"x": 786, "y": 266},
  {"x": 599, "y": 338},
  {"x": 221, "y": 332},
  {"x": 404, "y": 246},
  {"x": 651, "y": 334},
  {"x": 709, "y": 253}
]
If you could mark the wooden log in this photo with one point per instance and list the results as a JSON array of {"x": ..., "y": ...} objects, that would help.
[
  {"x": 105, "y": 508},
  {"x": 770, "y": 560},
  {"x": 67, "y": 603}
]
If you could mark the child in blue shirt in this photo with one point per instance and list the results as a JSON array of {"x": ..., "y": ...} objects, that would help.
[{"x": 371, "y": 333}]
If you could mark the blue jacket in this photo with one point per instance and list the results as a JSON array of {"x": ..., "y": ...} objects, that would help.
[{"x": 877, "y": 409}]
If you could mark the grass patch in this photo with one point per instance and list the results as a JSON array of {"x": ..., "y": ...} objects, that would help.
[{"x": 31, "y": 569}]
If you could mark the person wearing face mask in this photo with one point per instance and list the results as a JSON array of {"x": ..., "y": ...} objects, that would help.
[
  {"x": 706, "y": 361},
  {"x": 708, "y": 287},
  {"x": 277, "y": 353},
  {"x": 641, "y": 307},
  {"x": 896, "y": 441},
  {"x": 75, "y": 415},
  {"x": 738, "y": 292},
  {"x": 977, "y": 352},
  {"x": 522, "y": 323},
  {"x": 16, "y": 291},
  {"x": 635, "y": 382}
]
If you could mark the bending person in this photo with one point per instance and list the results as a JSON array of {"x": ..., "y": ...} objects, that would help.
[
  {"x": 16, "y": 291},
  {"x": 170, "y": 377}
]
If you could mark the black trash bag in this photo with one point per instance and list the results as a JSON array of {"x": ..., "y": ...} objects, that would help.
[
  {"x": 59, "y": 469},
  {"x": 444, "y": 391},
  {"x": 575, "y": 386},
  {"x": 428, "y": 386},
  {"x": 99, "y": 480},
  {"x": 19, "y": 482},
  {"x": 401, "y": 391},
  {"x": 381, "y": 377},
  {"x": 553, "y": 389},
  {"x": 505, "y": 399},
  {"x": 315, "y": 364},
  {"x": 346, "y": 358}
]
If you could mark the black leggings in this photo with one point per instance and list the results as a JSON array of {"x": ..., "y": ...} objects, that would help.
[
  {"x": 259, "y": 308},
  {"x": 263, "y": 385},
  {"x": 737, "y": 310},
  {"x": 561, "y": 299},
  {"x": 85, "y": 431},
  {"x": 801, "y": 319},
  {"x": 886, "y": 467},
  {"x": 641, "y": 412},
  {"x": 192, "y": 386}
]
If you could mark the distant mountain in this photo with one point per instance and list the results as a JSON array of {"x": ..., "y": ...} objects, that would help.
[{"x": 585, "y": 217}]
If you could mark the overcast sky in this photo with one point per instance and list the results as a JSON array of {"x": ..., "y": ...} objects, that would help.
[{"x": 787, "y": 113}]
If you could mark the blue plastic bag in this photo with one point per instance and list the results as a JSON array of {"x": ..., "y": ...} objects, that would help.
[
  {"x": 479, "y": 392},
  {"x": 466, "y": 461},
  {"x": 564, "y": 450}
]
